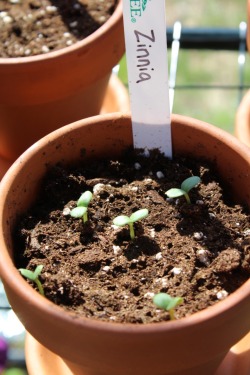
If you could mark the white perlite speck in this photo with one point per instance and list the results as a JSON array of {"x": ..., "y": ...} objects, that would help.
[
  {"x": 77, "y": 6},
  {"x": 117, "y": 250},
  {"x": 66, "y": 211},
  {"x": 199, "y": 202},
  {"x": 73, "y": 24},
  {"x": 159, "y": 175},
  {"x": 7, "y": 19},
  {"x": 158, "y": 256},
  {"x": 222, "y": 294},
  {"x": 51, "y": 9},
  {"x": 134, "y": 261},
  {"x": 211, "y": 215},
  {"x": 102, "y": 19},
  {"x": 202, "y": 255},
  {"x": 152, "y": 232},
  {"x": 176, "y": 270},
  {"x": 106, "y": 268},
  {"x": 98, "y": 188},
  {"x": 137, "y": 166},
  {"x": 45, "y": 49},
  {"x": 198, "y": 236}
]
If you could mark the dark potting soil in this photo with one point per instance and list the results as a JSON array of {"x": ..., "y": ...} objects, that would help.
[
  {"x": 199, "y": 251},
  {"x": 33, "y": 27}
]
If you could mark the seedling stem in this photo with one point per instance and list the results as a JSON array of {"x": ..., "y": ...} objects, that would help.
[
  {"x": 81, "y": 210},
  {"x": 122, "y": 220},
  {"x": 186, "y": 186},
  {"x": 34, "y": 276},
  {"x": 168, "y": 303}
]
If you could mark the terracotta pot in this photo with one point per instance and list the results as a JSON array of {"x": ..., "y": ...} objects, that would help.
[
  {"x": 242, "y": 120},
  {"x": 190, "y": 346},
  {"x": 42, "y": 93},
  {"x": 116, "y": 100}
]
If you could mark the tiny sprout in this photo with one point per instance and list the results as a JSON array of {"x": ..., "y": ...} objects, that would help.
[
  {"x": 82, "y": 206},
  {"x": 186, "y": 185},
  {"x": 166, "y": 302},
  {"x": 122, "y": 220},
  {"x": 33, "y": 276}
]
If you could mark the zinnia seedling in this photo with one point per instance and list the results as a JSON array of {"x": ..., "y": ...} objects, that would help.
[
  {"x": 168, "y": 303},
  {"x": 186, "y": 186},
  {"x": 34, "y": 276},
  {"x": 122, "y": 220},
  {"x": 81, "y": 210}
]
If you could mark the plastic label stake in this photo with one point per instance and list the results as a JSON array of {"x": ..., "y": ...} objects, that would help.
[{"x": 146, "y": 53}]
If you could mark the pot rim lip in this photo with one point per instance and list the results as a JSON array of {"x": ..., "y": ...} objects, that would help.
[
  {"x": 87, "y": 42},
  {"x": 28, "y": 293}
]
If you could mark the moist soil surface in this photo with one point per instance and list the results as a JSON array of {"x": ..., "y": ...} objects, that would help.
[
  {"x": 33, "y": 27},
  {"x": 198, "y": 251}
]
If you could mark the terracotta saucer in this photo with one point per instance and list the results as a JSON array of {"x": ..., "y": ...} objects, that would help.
[
  {"x": 41, "y": 361},
  {"x": 117, "y": 98}
]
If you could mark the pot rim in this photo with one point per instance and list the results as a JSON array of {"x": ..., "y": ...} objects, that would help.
[
  {"x": 87, "y": 42},
  {"x": 9, "y": 272}
]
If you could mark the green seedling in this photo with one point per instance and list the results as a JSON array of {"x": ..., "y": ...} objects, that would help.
[
  {"x": 122, "y": 220},
  {"x": 168, "y": 303},
  {"x": 81, "y": 210},
  {"x": 186, "y": 186},
  {"x": 33, "y": 276}
]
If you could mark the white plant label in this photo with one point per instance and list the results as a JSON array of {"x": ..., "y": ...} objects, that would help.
[{"x": 146, "y": 53}]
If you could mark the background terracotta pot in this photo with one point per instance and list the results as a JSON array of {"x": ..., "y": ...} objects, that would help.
[
  {"x": 41, "y": 93},
  {"x": 191, "y": 346},
  {"x": 242, "y": 120}
]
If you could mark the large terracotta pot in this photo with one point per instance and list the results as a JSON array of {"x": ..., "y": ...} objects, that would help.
[
  {"x": 41, "y": 93},
  {"x": 193, "y": 345}
]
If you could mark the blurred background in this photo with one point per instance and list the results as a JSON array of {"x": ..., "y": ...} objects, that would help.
[{"x": 208, "y": 84}]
